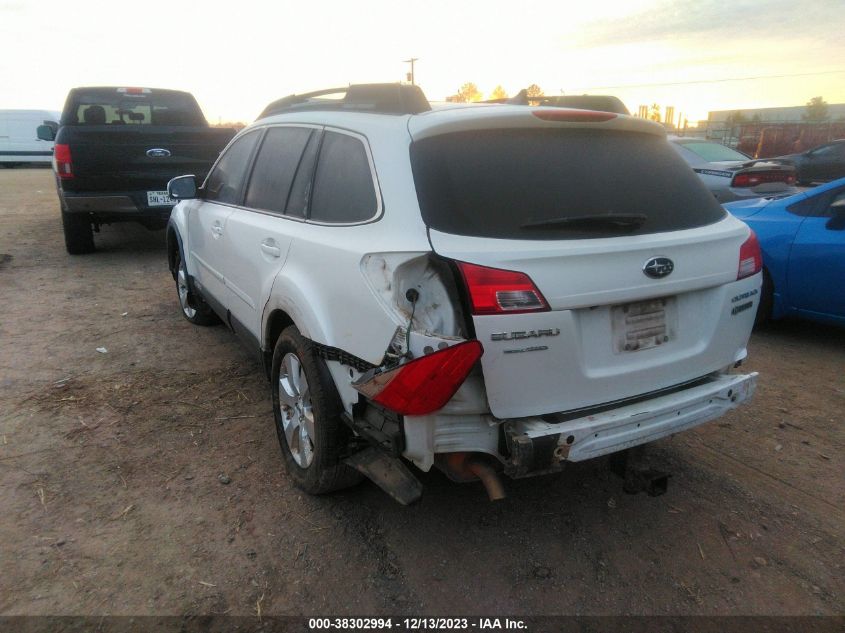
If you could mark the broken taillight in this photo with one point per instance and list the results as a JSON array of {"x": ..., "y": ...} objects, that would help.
[
  {"x": 496, "y": 291},
  {"x": 424, "y": 384},
  {"x": 750, "y": 259}
]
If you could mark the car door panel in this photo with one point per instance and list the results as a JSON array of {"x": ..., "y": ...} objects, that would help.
[
  {"x": 207, "y": 228},
  {"x": 207, "y": 222},
  {"x": 258, "y": 234},
  {"x": 817, "y": 264}
]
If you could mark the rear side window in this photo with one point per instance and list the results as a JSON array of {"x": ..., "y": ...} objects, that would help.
[
  {"x": 225, "y": 181},
  {"x": 275, "y": 168},
  {"x": 344, "y": 190},
  {"x": 557, "y": 184}
]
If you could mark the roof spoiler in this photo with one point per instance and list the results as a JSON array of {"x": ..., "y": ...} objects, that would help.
[{"x": 599, "y": 103}]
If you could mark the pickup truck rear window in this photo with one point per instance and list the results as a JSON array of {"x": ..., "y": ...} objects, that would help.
[
  {"x": 548, "y": 184},
  {"x": 110, "y": 107}
]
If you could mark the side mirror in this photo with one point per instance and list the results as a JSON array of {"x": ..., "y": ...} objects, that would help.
[
  {"x": 182, "y": 188},
  {"x": 45, "y": 132}
]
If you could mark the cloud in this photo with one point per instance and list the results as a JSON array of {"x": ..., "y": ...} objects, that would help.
[{"x": 722, "y": 23}]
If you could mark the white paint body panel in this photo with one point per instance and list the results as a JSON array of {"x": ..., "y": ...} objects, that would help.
[
  {"x": 343, "y": 286},
  {"x": 634, "y": 424},
  {"x": 582, "y": 280}
]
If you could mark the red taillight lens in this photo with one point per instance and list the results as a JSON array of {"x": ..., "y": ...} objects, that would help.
[
  {"x": 425, "y": 384},
  {"x": 750, "y": 259},
  {"x": 62, "y": 162},
  {"x": 573, "y": 116},
  {"x": 754, "y": 178},
  {"x": 495, "y": 291}
]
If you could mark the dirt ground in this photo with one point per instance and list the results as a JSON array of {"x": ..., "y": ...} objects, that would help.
[{"x": 111, "y": 499}]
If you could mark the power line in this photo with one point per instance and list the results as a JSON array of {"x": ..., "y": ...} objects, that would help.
[{"x": 715, "y": 81}]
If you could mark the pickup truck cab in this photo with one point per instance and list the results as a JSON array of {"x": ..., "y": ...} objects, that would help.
[{"x": 115, "y": 151}]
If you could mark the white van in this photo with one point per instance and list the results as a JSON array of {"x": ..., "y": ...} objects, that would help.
[{"x": 18, "y": 140}]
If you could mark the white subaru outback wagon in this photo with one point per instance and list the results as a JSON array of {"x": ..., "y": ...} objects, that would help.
[{"x": 486, "y": 289}]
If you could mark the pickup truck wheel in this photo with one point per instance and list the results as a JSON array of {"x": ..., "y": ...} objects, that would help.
[
  {"x": 307, "y": 411},
  {"x": 194, "y": 309},
  {"x": 79, "y": 236}
]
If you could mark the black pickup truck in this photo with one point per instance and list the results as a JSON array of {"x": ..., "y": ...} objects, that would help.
[{"x": 115, "y": 151}]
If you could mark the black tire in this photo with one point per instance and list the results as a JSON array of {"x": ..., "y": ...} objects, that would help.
[
  {"x": 764, "y": 310},
  {"x": 325, "y": 472},
  {"x": 193, "y": 308},
  {"x": 79, "y": 236}
]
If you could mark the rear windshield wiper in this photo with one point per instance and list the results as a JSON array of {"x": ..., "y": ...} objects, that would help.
[{"x": 628, "y": 221}]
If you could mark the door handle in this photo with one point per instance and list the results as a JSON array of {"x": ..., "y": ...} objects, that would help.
[
  {"x": 271, "y": 250},
  {"x": 217, "y": 229}
]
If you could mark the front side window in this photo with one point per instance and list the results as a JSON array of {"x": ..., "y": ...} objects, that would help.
[
  {"x": 226, "y": 179},
  {"x": 344, "y": 191},
  {"x": 275, "y": 168}
]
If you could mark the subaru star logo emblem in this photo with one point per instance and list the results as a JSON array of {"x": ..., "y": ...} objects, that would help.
[
  {"x": 658, "y": 267},
  {"x": 158, "y": 152}
]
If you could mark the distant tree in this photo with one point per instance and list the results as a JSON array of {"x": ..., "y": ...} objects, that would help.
[
  {"x": 735, "y": 118},
  {"x": 468, "y": 93},
  {"x": 534, "y": 91},
  {"x": 654, "y": 112},
  {"x": 237, "y": 125},
  {"x": 499, "y": 93},
  {"x": 757, "y": 118},
  {"x": 816, "y": 111}
]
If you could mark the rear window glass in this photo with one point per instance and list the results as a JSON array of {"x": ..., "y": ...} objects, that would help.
[
  {"x": 557, "y": 184},
  {"x": 110, "y": 107},
  {"x": 713, "y": 152}
]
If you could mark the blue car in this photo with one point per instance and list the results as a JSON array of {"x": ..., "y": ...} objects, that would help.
[{"x": 802, "y": 238}]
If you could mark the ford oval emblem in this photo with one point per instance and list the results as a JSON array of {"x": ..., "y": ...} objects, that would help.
[
  {"x": 658, "y": 267},
  {"x": 158, "y": 152}
]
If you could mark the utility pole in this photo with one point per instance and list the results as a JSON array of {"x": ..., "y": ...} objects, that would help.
[{"x": 410, "y": 75}]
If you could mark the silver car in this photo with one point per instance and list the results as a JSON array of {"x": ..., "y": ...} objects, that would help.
[{"x": 731, "y": 175}]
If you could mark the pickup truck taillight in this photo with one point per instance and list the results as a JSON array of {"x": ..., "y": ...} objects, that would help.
[
  {"x": 425, "y": 384},
  {"x": 62, "y": 162},
  {"x": 750, "y": 259},
  {"x": 496, "y": 291}
]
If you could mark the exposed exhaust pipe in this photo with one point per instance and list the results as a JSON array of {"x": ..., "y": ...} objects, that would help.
[
  {"x": 489, "y": 478},
  {"x": 466, "y": 467}
]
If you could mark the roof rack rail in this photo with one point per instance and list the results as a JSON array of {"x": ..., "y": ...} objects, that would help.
[{"x": 373, "y": 98}]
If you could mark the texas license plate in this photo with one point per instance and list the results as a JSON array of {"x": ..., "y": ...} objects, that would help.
[
  {"x": 159, "y": 199},
  {"x": 643, "y": 325}
]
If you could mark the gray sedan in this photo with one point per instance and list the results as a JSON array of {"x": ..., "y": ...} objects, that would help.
[{"x": 731, "y": 175}]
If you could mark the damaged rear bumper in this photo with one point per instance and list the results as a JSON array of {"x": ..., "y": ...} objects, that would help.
[{"x": 541, "y": 445}]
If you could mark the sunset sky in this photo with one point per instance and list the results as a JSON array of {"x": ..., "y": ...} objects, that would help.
[{"x": 237, "y": 56}]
